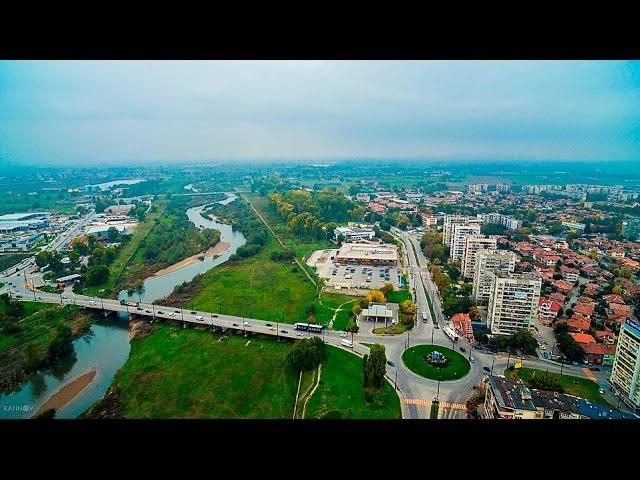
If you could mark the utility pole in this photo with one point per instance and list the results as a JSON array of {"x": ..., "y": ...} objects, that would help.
[
  {"x": 492, "y": 363},
  {"x": 396, "y": 382}
]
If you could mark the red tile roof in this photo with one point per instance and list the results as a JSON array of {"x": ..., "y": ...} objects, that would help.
[{"x": 583, "y": 338}]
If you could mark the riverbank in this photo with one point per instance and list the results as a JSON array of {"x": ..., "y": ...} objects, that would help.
[
  {"x": 214, "y": 251},
  {"x": 68, "y": 392}
]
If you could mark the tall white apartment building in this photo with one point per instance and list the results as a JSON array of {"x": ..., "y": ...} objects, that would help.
[
  {"x": 472, "y": 245},
  {"x": 625, "y": 375},
  {"x": 447, "y": 226},
  {"x": 513, "y": 303},
  {"x": 459, "y": 234},
  {"x": 509, "y": 222},
  {"x": 488, "y": 262}
]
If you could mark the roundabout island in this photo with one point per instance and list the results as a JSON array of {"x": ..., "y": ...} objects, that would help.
[{"x": 436, "y": 362}]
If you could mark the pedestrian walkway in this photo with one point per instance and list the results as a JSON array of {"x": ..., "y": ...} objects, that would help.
[{"x": 427, "y": 403}]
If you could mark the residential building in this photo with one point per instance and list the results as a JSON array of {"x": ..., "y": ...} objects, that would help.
[
  {"x": 459, "y": 234},
  {"x": 625, "y": 375},
  {"x": 508, "y": 398},
  {"x": 509, "y": 222},
  {"x": 548, "y": 310},
  {"x": 487, "y": 262},
  {"x": 513, "y": 303},
  {"x": 472, "y": 245},
  {"x": 447, "y": 226}
]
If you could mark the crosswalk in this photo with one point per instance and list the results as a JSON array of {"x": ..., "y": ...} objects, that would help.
[{"x": 427, "y": 403}]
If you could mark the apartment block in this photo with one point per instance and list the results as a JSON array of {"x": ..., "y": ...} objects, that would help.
[
  {"x": 488, "y": 262},
  {"x": 625, "y": 375},
  {"x": 459, "y": 234},
  {"x": 472, "y": 245},
  {"x": 513, "y": 303}
]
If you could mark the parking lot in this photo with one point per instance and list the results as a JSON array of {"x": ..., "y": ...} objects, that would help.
[{"x": 346, "y": 277}]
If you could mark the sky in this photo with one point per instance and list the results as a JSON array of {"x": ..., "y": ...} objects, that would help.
[{"x": 137, "y": 112}]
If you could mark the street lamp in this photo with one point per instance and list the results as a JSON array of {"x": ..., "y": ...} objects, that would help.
[
  {"x": 492, "y": 363},
  {"x": 508, "y": 357}
]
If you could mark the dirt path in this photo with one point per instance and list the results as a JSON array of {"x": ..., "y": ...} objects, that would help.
[
  {"x": 68, "y": 392},
  {"x": 306, "y": 400},
  {"x": 278, "y": 239},
  {"x": 217, "y": 249}
]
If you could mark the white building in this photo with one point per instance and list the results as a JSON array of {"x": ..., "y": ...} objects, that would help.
[
  {"x": 472, "y": 245},
  {"x": 509, "y": 222},
  {"x": 513, "y": 303},
  {"x": 353, "y": 234},
  {"x": 487, "y": 262},
  {"x": 447, "y": 226},
  {"x": 459, "y": 234},
  {"x": 625, "y": 375}
]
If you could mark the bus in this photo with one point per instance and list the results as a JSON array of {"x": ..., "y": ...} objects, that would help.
[
  {"x": 311, "y": 327},
  {"x": 346, "y": 343},
  {"x": 451, "y": 333}
]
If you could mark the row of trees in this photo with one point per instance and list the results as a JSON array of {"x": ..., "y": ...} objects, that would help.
[{"x": 567, "y": 345}]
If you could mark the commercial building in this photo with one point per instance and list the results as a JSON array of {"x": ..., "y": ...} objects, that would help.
[
  {"x": 513, "y": 303},
  {"x": 508, "y": 398},
  {"x": 487, "y": 262},
  {"x": 625, "y": 375},
  {"x": 102, "y": 230},
  {"x": 351, "y": 234},
  {"x": 472, "y": 245},
  {"x": 378, "y": 312},
  {"x": 459, "y": 234},
  {"x": 361, "y": 253},
  {"x": 20, "y": 244}
]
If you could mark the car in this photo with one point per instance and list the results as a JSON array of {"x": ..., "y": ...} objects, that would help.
[
  {"x": 40, "y": 298},
  {"x": 214, "y": 315},
  {"x": 247, "y": 324},
  {"x": 343, "y": 335},
  {"x": 139, "y": 308},
  {"x": 269, "y": 324},
  {"x": 594, "y": 369},
  {"x": 199, "y": 317},
  {"x": 18, "y": 296},
  {"x": 486, "y": 369},
  {"x": 284, "y": 331},
  {"x": 172, "y": 314},
  {"x": 160, "y": 313},
  {"x": 236, "y": 324},
  {"x": 273, "y": 329},
  {"x": 462, "y": 349},
  {"x": 545, "y": 355},
  {"x": 193, "y": 313},
  {"x": 543, "y": 346},
  {"x": 177, "y": 311},
  {"x": 472, "y": 360},
  {"x": 389, "y": 362},
  {"x": 300, "y": 334},
  {"x": 600, "y": 391},
  {"x": 148, "y": 311},
  {"x": 477, "y": 347},
  {"x": 93, "y": 302}
]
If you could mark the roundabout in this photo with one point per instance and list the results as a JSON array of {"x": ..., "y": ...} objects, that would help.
[{"x": 436, "y": 362}]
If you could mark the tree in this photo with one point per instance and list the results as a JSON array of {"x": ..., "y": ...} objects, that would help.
[
  {"x": 388, "y": 287},
  {"x": 408, "y": 307},
  {"x": 97, "y": 274},
  {"x": 375, "y": 366},
  {"x": 375, "y": 296},
  {"x": 307, "y": 354},
  {"x": 62, "y": 342},
  {"x": 112, "y": 234},
  {"x": 31, "y": 357}
]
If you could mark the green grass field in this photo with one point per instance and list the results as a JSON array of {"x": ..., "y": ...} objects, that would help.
[
  {"x": 457, "y": 368},
  {"x": 580, "y": 387},
  {"x": 326, "y": 306},
  {"x": 341, "y": 394},
  {"x": 397, "y": 296},
  {"x": 177, "y": 373},
  {"x": 269, "y": 287},
  {"x": 190, "y": 373}
]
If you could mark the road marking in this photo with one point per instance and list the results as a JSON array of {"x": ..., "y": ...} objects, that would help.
[
  {"x": 427, "y": 403},
  {"x": 589, "y": 374}
]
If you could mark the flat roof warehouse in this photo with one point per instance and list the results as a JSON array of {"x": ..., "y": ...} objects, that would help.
[{"x": 364, "y": 253}]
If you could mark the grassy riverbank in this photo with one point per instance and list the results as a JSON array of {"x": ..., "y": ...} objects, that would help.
[
  {"x": 190, "y": 373},
  {"x": 27, "y": 349}
]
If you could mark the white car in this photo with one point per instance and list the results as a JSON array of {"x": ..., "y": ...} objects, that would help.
[
  {"x": 172, "y": 314},
  {"x": 472, "y": 360},
  {"x": 300, "y": 334},
  {"x": 247, "y": 324},
  {"x": 343, "y": 335},
  {"x": 92, "y": 302},
  {"x": 199, "y": 317}
]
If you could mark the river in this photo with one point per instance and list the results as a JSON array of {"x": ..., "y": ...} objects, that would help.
[{"x": 106, "y": 347}]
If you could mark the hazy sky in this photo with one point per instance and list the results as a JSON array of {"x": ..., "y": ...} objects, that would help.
[{"x": 126, "y": 111}]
